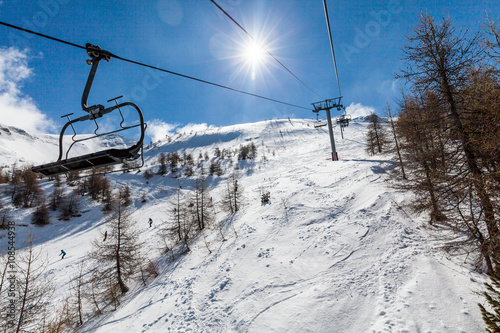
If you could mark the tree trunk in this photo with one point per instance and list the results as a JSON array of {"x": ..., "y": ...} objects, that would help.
[
  {"x": 398, "y": 151},
  {"x": 25, "y": 291},
  {"x": 122, "y": 285},
  {"x": 477, "y": 177}
]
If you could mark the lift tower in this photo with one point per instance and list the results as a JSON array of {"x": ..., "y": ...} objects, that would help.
[{"x": 327, "y": 105}]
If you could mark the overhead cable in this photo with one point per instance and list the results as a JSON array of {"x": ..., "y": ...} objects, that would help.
[
  {"x": 331, "y": 45},
  {"x": 262, "y": 46},
  {"x": 154, "y": 67}
]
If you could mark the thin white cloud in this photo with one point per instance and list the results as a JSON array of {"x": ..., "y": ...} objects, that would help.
[
  {"x": 17, "y": 109},
  {"x": 158, "y": 129},
  {"x": 359, "y": 110},
  {"x": 193, "y": 128}
]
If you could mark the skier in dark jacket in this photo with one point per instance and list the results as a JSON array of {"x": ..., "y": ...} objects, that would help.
[
  {"x": 150, "y": 222},
  {"x": 62, "y": 253}
]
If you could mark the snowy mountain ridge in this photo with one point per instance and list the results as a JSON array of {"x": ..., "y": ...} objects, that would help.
[
  {"x": 17, "y": 145},
  {"x": 334, "y": 251}
]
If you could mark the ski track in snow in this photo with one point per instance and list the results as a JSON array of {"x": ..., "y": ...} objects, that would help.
[{"x": 341, "y": 257}]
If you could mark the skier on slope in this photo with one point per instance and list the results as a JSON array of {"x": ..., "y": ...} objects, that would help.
[
  {"x": 62, "y": 253},
  {"x": 150, "y": 222}
]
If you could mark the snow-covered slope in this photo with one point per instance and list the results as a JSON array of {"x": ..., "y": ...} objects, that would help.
[
  {"x": 16, "y": 145},
  {"x": 334, "y": 251}
]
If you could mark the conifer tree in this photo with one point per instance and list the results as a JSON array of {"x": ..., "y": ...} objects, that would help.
[
  {"x": 118, "y": 258},
  {"x": 252, "y": 149},
  {"x": 70, "y": 206},
  {"x": 376, "y": 135},
  {"x": 107, "y": 200},
  {"x": 492, "y": 41},
  {"x": 243, "y": 152},
  {"x": 188, "y": 171},
  {"x": 202, "y": 203},
  {"x": 179, "y": 224},
  {"x": 440, "y": 60},
  {"x": 215, "y": 168},
  {"x": 96, "y": 185},
  {"x": 174, "y": 160},
  {"x": 492, "y": 319},
  {"x": 57, "y": 194},
  {"x": 62, "y": 322},
  {"x": 27, "y": 188},
  {"x": 231, "y": 199},
  {"x": 424, "y": 145},
  {"x": 125, "y": 196},
  {"x": 41, "y": 215},
  {"x": 188, "y": 160},
  {"x": 162, "y": 160},
  {"x": 95, "y": 291},
  {"x": 34, "y": 289},
  {"x": 217, "y": 152},
  {"x": 77, "y": 295}
]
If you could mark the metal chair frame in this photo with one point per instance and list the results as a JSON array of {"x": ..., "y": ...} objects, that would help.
[{"x": 105, "y": 157}]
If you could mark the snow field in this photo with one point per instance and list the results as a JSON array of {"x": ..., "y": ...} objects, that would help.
[{"x": 333, "y": 251}]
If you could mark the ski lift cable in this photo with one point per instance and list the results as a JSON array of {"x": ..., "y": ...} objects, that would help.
[
  {"x": 42, "y": 35},
  {"x": 262, "y": 46},
  {"x": 208, "y": 82},
  {"x": 331, "y": 45},
  {"x": 154, "y": 67}
]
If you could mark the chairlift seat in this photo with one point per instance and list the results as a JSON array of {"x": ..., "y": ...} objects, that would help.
[{"x": 89, "y": 161}]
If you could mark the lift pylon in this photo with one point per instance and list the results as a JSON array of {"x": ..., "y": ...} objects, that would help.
[{"x": 327, "y": 105}]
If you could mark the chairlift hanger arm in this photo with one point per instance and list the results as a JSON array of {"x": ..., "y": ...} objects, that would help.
[{"x": 96, "y": 54}]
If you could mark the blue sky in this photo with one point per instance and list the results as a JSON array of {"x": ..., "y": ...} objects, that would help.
[{"x": 193, "y": 37}]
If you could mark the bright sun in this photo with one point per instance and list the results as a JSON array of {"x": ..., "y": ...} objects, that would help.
[
  {"x": 253, "y": 53},
  {"x": 252, "y": 59}
]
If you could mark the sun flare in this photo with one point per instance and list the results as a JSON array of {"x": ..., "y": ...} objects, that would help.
[
  {"x": 252, "y": 60},
  {"x": 253, "y": 53}
]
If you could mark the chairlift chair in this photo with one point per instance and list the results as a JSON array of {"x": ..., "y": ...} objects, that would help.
[
  {"x": 344, "y": 120},
  {"x": 318, "y": 123},
  {"x": 105, "y": 157}
]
